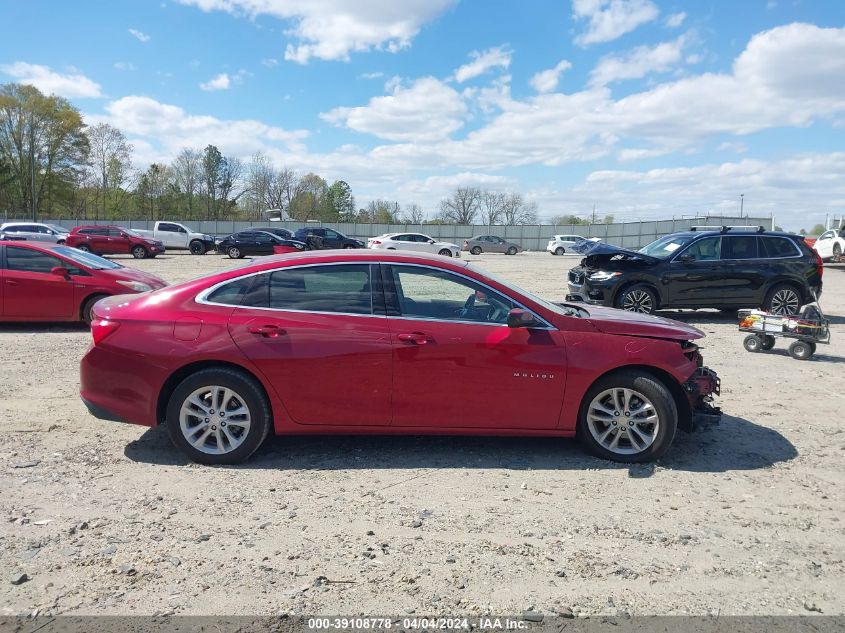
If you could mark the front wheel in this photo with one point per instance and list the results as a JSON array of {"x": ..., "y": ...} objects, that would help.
[
  {"x": 350, "y": 246},
  {"x": 139, "y": 252},
  {"x": 197, "y": 248},
  {"x": 87, "y": 309},
  {"x": 628, "y": 417},
  {"x": 218, "y": 416},
  {"x": 560, "y": 250},
  {"x": 511, "y": 251},
  {"x": 445, "y": 252},
  {"x": 234, "y": 252},
  {"x": 638, "y": 298},
  {"x": 753, "y": 343},
  {"x": 802, "y": 350},
  {"x": 837, "y": 253},
  {"x": 476, "y": 250}
]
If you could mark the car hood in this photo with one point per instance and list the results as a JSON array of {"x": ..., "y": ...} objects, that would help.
[
  {"x": 133, "y": 274},
  {"x": 604, "y": 250},
  {"x": 446, "y": 244},
  {"x": 622, "y": 322}
]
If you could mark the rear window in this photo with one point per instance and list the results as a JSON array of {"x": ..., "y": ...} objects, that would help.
[{"x": 778, "y": 247}]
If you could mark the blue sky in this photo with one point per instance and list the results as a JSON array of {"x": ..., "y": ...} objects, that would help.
[{"x": 645, "y": 108}]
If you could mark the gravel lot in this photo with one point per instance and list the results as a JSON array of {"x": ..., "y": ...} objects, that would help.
[{"x": 744, "y": 518}]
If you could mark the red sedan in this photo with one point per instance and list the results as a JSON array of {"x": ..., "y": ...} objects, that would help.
[
  {"x": 378, "y": 342},
  {"x": 49, "y": 282}
]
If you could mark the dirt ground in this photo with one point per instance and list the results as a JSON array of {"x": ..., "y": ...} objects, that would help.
[{"x": 743, "y": 518}]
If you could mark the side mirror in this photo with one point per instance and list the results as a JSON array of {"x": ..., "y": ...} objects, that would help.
[
  {"x": 521, "y": 318},
  {"x": 431, "y": 241},
  {"x": 60, "y": 271}
]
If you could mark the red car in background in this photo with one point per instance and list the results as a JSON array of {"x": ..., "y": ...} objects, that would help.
[
  {"x": 113, "y": 240},
  {"x": 380, "y": 342},
  {"x": 40, "y": 281}
]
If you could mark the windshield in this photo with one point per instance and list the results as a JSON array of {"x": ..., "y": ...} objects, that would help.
[
  {"x": 89, "y": 260},
  {"x": 57, "y": 229},
  {"x": 665, "y": 246},
  {"x": 557, "y": 309},
  {"x": 131, "y": 232}
]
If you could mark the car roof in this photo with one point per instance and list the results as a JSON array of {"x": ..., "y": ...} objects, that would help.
[
  {"x": 359, "y": 255},
  {"x": 37, "y": 246},
  {"x": 718, "y": 231}
]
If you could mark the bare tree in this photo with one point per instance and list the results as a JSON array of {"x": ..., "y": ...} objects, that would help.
[
  {"x": 111, "y": 158},
  {"x": 186, "y": 169},
  {"x": 515, "y": 210},
  {"x": 462, "y": 206},
  {"x": 259, "y": 179},
  {"x": 491, "y": 206},
  {"x": 286, "y": 185},
  {"x": 413, "y": 214}
]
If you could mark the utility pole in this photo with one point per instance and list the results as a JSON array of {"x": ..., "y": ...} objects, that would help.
[
  {"x": 594, "y": 214},
  {"x": 741, "y": 203}
]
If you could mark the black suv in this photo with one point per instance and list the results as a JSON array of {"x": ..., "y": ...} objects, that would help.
[
  {"x": 319, "y": 238},
  {"x": 727, "y": 268}
]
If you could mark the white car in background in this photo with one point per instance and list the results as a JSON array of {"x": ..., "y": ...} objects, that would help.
[
  {"x": 559, "y": 244},
  {"x": 414, "y": 242},
  {"x": 34, "y": 232},
  {"x": 831, "y": 245}
]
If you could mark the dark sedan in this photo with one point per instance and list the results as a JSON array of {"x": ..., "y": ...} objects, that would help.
[{"x": 257, "y": 243}]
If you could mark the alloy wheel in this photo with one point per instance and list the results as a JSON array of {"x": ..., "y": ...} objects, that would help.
[
  {"x": 785, "y": 301},
  {"x": 623, "y": 421},
  {"x": 214, "y": 420},
  {"x": 638, "y": 301}
]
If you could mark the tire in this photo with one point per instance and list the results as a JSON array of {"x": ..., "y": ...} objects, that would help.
[
  {"x": 560, "y": 250},
  {"x": 84, "y": 248},
  {"x": 88, "y": 306},
  {"x": 476, "y": 250},
  {"x": 637, "y": 298},
  {"x": 445, "y": 252},
  {"x": 837, "y": 253},
  {"x": 195, "y": 420},
  {"x": 139, "y": 252},
  {"x": 728, "y": 310},
  {"x": 60, "y": 242},
  {"x": 753, "y": 343},
  {"x": 511, "y": 251},
  {"x": 605, "y": 433},
  {"x": 196, "y": 247},
  {"x": 234, "y": 252},
  {"x": 801, "y": 350},
  {"x": 783, "y": 299},
  {"x": 768, "y": 342},
  {"x": 349, "y": 246}
]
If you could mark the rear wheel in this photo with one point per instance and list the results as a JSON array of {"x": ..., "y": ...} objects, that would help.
[
  {"x": 783, "y": 299},
  {"x": 197, "y": 248},
  {"x": 837, "y": 253},
  {"x": 234, "y": 252},
  {"x": 511, "y": 251},
  {"x": 476, "y": 250},
  {"x": 638, "y": 298},
  {"x": 139, "y": 252},
  {"x": 768, "y": 342},
  {"x": 560, "y": 250},
  {"x": 84, "y": 248},
  {"x": 445, "y": 252},
  {"x": 628, "y": 417},
  {"x": 218, "y": 416}
]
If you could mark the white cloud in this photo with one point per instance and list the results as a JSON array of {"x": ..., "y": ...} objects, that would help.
[
  {"x": 547, "y": 80},
  {"x": 675, "y": 20},
  {"x": 124, "y": 66},
  {"x": 218, "y": 82},
  {"x": 270, "y": 62},
  {"x": 428, "y": 110},
  {"x": 639, "y": 62},
  {"x": 332, "y": 29},
  {"x": 165, "y": 129},
  {"x": 51, "y": 82},
  {"x": 483, "y": 61},
  {"x": 375, "y": 75},
  {"x": 610, "y": 19},
  {"x": 140, "y": 36}
]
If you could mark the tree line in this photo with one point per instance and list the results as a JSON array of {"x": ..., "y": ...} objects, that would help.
[{"x": 54, "y": 165}]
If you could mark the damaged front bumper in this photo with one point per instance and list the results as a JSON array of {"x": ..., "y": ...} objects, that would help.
[{"x": 700, "y": 389}]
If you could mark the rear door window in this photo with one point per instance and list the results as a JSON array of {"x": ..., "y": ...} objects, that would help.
[
  {"x": 739, "y": 247},
  {"x": 27, "y": 260},
  {"x": 343, "y": 289},
  {"x": 776, "y": 247}
]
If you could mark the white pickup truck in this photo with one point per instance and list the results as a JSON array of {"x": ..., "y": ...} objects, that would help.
[{"x": 178, "y": 236}]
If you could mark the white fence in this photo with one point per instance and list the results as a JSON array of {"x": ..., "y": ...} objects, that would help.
[{"x": 530, "y": 237}]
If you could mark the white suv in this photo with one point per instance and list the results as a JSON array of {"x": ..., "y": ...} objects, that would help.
[
  {"x": 34, "y": 231},
  {"x": 560, "y": 243}
]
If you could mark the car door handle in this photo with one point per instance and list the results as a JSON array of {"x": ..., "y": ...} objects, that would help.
[
  {"x": 11, "y": 283},
  {"x": 268, "y": 331},
  {"x": 417, "y": 338}
]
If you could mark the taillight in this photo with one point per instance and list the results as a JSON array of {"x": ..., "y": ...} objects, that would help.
[
  {"x": 101, "y": 328},
  {"x": 819, "y": 263},
  {"x": 376, "y": 242}
]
